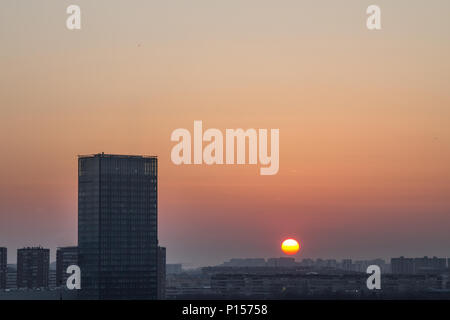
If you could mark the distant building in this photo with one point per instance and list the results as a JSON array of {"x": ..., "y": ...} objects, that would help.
[
  {"x": 65, "y": 257},
  {"x": 245, "y": 262},
  {"x": 11, "y": 277},
  {"x": 161, "y": 273},
  {"x": 52, "y": 279},
  {"x": 33, "y": 267},
  {"x": 320, "y": 263},
  {"x": 402, "y": 265},
  {"x": 3, "y": 267},
  {"x": 174, "y": 268},
  {"x": 307, "y": 263},
  {"x": 385, "y": 268},
  {"x": 281, "y": 262},
  {"x": 423, "y": 265},
  {"x": 360, "y": 266},
  {"x": 331, "y": 263},
  {"x": 117, "y": 226},
  {"x": 346, "y": 264},
  {"x": 429, "y": 265}
]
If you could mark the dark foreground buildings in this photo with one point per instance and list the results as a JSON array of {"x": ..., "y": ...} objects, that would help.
[
  {"x": 3, "y": 267},
  {"x": 33, "y": 267},
  {"x": 65, "y": 257},
  {"x": 117, "y": 226},
  {"x": 161, "y": 273},
  {"x": 301, "y": 282}
]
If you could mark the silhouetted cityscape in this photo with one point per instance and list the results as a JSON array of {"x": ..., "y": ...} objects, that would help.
[
  {"x": 33, "y": 277},
  {"x": 119, "y": 255}
]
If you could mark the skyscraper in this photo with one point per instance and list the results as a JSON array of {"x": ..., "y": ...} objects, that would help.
[
  {"x": 33, "y": 267},
  {"x": 3, "y": 267},
  {"x": 65, "y": 257},
  {"x": 117, "y": 226}
]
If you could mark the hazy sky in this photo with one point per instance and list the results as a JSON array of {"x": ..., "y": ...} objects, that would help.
[{"x": 364, "y": 119}]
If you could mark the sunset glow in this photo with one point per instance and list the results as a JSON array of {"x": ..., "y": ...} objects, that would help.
[{"x": 363, "y": 119}]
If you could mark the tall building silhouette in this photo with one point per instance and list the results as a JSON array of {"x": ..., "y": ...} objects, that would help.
[
  {"x": 33, "y": 266},
  {"x": 117, "y": 226},
  {"x": 65, "y": 257},
  {"x": 3, "y": 267}
]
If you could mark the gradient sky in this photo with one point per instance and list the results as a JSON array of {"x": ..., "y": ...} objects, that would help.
[{"x": 364, "y": 119}]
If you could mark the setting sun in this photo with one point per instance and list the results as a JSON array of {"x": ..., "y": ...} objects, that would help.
[{"x": 290, "y": 246}]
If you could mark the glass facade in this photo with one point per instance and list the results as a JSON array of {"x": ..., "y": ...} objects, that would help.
[{"x": 117, "y": 226}]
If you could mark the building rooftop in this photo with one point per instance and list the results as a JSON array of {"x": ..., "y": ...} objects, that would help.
[{"x": 106, "y": 155}]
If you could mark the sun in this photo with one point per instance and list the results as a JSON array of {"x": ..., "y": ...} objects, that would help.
[{"x": 290, "y": 246}]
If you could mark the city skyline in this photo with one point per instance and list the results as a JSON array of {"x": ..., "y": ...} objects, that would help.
[
  {"x": 363, "y": 119},
  {"x": 226, "y": 261},
  {"x": 12, "y": 258},
  {"x": 420, "y": 277},
  {"x": 69, "y": 256}
]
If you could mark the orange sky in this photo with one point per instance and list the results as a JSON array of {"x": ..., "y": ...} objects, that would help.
[{"x": 364, "y": 121}]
